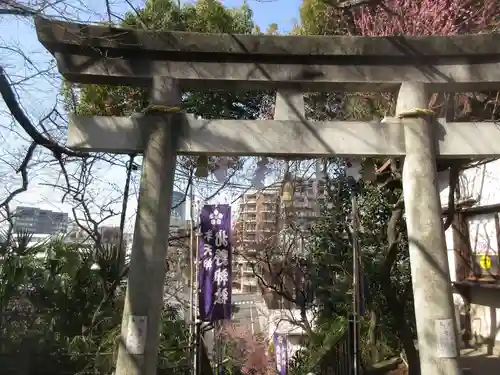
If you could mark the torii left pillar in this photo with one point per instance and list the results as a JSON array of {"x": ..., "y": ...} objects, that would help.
[{"x": 138, "y": 349}]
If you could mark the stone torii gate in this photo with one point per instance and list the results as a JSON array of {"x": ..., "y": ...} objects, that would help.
[{"x": 171, "y": 61}]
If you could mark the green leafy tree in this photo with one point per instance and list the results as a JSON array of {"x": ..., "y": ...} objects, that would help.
[
  {"x": 332, "y": 252},
  {"x": 61, "y": 310},
  {"x": 202, "y": 16}
]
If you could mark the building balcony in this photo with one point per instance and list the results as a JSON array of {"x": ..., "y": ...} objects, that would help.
[
  {"x": 248, "y": 269},
  {"x": 267, "y": 229},
  {"x": 249, "y": 234},
  {"x": 238, "y": 259},
  {"x": 249, "y": 281},
  {"x": 248, "y": 252}
]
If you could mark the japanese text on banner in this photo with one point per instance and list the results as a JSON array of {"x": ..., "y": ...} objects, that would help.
[
  {"x": 281, "y": 353},
  {"x": 215, "y": 263}
]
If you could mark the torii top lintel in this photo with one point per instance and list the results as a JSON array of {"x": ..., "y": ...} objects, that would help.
[{"x": 110, "y": 55}]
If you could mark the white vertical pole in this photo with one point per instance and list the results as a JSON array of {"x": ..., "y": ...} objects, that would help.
[
  {"x": 192, "y": 291},
  {"x": 355, "y": 277},
  {"x": 197, "y": 322}
]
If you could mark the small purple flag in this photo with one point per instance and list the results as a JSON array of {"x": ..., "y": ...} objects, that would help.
[
  {"x": 281, "y": 353},
  {"x": 215, "y": 263}
]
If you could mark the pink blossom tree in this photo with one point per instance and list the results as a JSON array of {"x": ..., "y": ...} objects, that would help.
[
  {"x": 434, "y": 17},
  {"x": 247, "y": 351},
  {"x": 426, "y": 17}
]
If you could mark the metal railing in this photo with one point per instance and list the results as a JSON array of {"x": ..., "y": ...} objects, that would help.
[{"x": 339, "y": 360}]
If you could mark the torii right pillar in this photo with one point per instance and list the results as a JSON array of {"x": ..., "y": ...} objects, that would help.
[{"x": 434, "y": 309}]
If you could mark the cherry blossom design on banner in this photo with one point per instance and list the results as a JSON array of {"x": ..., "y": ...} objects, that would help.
[
  {"x": 215, "y": 263},
  {"x": 281, "y": 353}
]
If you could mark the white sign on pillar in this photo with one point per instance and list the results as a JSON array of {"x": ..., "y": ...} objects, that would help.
[
  {"x": 136, "y": 334},
  {"x": 446, "y": 346}
]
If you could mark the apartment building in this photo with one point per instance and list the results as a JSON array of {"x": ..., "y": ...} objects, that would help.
[
  {"x": 298, "y": 215},
  {"x": 254, "y": 233},
  {"x": 269, "y": 228},
  {"x": 37, "y": 221}
]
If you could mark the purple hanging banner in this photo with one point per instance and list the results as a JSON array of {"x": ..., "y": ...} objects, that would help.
[
  {"x": 215, "y": 263},
  {"x": 281, "y": 353}
]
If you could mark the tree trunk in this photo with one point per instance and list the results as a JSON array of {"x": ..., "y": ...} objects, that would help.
[
  {"x": 397, "y": 307},
  {"x": 305, "y": 321},
  {"x": 372, "y": 337},
  {"x": 403, "y": 329},
  {"x": 410, "y": 351}
]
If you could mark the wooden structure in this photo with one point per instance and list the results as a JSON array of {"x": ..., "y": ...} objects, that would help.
[{"x": 169, "y": 62}]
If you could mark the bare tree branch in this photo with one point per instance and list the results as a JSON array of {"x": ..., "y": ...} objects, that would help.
[
  {"x": 23, "y": 169},
  {"x": 15, "y": 109},
  {"x": 453, "y": 182},
  {"x": 11, "y": 8}
]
